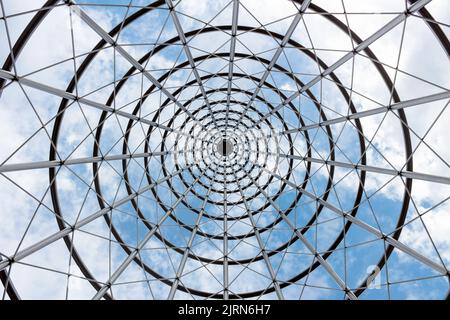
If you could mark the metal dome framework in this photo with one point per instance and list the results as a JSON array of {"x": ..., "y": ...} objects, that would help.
[{"x": 220, "y": 182}]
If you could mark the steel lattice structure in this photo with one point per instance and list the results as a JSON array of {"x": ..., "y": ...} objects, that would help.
[{"x": 224, "y": 149}]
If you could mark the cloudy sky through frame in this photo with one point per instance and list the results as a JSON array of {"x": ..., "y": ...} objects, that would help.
[{"x": 112, "y": 186}]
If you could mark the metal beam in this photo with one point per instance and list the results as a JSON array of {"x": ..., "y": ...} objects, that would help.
[
  {"x": 362, "y": 114},
  {"x": 105, "y": 36},
  {"x": 298, "y": 17},
  {"x": 324, "y": 263},
  {"x": 66, "y": 231},
  {"x": 397, "y": 244},
  {"x": 69, "y": 162},
  {"x": 183, "y": 261},
  {"x": 225, "y": 242},
  {"x": 234, "y": 24},
  {"x": 188, "y": 53},
  {"x": 363, "y": 45},
  {"x": 368, "y": 168},
  {"x": 102, "y": 291},
  {"x": 70, "y": 96}
]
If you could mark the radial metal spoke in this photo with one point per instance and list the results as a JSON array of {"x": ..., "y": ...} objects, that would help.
[
  {"x": 188, "y": 53},
  {"x": 297, "y": 18},
  {"x": 142, "y": 244},
  {"x": 234, "y": 25},
  {"x": 397, "y": 244},
  {"x": 261, "y": 244},
  {"x": 361, "y": 46},
  {"x": 70, "y": 96},
  {"x": 307, "y": 244},
  {"x": 184, "y": 259},
  {"x": 367, "y": 168},
  {"x": 70, "y": 162},
  {"x": 66, "y": 231},
  {"x": 357, "y": 115},
  {"x": 105, "y": 36}
]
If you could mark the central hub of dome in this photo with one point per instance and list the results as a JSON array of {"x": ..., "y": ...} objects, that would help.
[{"x": 224, "y": 147}]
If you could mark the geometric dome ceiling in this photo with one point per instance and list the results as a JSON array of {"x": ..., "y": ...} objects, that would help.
[{"x": 224, "y": 149}]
